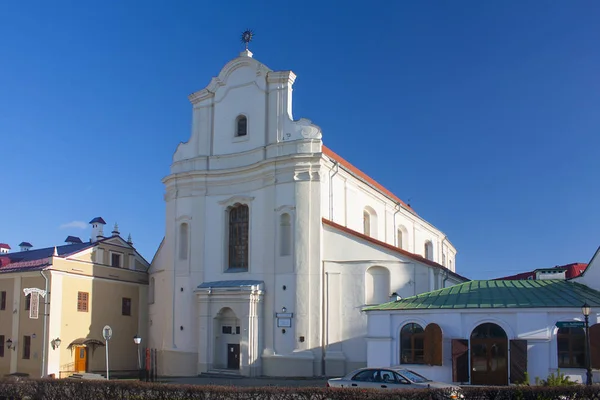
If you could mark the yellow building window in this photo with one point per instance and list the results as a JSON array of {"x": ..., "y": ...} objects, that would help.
[{"x": 83, "y": 301}]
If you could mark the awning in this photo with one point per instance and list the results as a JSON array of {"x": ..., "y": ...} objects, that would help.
[{"x": 93, "y": 343}]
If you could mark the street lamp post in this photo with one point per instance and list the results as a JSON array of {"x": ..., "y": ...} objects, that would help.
[
  {"x": 138, "y": 340},
  {"x": 586, "y": 310}
]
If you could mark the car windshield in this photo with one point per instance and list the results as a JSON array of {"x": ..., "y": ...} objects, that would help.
[{"x": 412, "y": 376}]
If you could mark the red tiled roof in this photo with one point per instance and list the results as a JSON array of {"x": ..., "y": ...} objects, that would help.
[
  {"x": 572, "y": 270},
  {"x": 4, "y": 246},
  {"x": 395, "y": 249},
  {"x": 329, "y": 153},
  {"x": 22, "y": 266}
]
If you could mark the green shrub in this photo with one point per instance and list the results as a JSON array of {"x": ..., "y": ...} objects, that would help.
[
  {"x": 553, "y": 380},
  {"x": 68, "y": 389}
]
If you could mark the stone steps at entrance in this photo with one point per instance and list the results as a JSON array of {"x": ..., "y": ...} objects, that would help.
[
  {"x": 87, "y": 376},
  {"x": 220, "y": 373}
]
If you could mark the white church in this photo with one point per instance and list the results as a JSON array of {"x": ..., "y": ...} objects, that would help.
[{"x": 274, "y": 243}]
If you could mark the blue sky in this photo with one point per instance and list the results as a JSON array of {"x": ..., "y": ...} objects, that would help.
[{"x": 484, "y": 115}]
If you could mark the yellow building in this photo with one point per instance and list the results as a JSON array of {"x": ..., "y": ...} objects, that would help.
[{"x": 55, "y": 302}]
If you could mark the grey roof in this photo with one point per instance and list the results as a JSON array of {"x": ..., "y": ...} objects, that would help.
[
  {"x": 100, "y": 220},
  {"x": 228, "y": 284},
  {"x": 37, "y": 254},
  {"x": 25, "y": 244}
]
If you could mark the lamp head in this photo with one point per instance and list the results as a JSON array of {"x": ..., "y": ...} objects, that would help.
[
  {"x": 56, "y": 343},
  {"x": 137, "y": 339},
  {"x": 9, "y": 344},
  {"x": 283, "y": 309},
  {"x": 586, "y": 309}
]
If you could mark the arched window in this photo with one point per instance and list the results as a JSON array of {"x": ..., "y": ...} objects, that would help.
[
  {"x": 450, "y": 265},
  {"x": 241, "y": 126},
  {"x": 400, "y": 239},
  {"x": 443, "y": 259},
  {"x": 183, "y": 241},
  {"x": 151, "y": 289},
  {"x": 370, "y": 222},
  {"x": 285, "y": 235},
  {"x": 428, "y": 250},
  {"x": 366, "y": 223},
  {"x": 377, "y": 285},
  {"x": 571, "y": 347},
  {"x": 238, "y": 237},
  {"x": 412, "y": 344}
]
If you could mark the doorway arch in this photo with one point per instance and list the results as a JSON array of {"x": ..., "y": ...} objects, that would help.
[
  {"x": 227, "y": 340},
  {"x": 489, "y": 355}
]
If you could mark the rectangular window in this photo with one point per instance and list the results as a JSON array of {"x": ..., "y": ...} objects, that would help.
[
  {"x": 27, "y": 302},
  {"x": 83, "y": 301},
  {"x": 115, "y": 260},
  {"x": 126, "y": 306},
  {"x": 226, "y": 330},
  {"x": 1, "y": 345},
  {"x": 3, "y": 300},
  {"x": 237, "y": 330},
  {"x": 26, "y": 347}
]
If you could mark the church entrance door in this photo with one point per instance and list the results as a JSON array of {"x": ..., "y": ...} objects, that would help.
[
  {"x": 233, "y": 356},
  {"x": 489, "y": 355}
]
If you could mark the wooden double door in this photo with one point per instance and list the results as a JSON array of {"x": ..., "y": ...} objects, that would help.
[{"x": 489, "y": 361}]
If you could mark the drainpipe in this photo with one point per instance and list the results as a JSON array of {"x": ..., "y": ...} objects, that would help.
[
  {"x": 445, "y": 279},
  {"x": 337, "y": 169},
  {"x": 45, "y": 334}
]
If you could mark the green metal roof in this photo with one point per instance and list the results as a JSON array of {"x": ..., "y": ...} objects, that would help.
[{"x": 499, "y": 294}]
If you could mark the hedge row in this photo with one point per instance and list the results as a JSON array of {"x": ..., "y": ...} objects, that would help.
[{"x": 67, "y": 389}]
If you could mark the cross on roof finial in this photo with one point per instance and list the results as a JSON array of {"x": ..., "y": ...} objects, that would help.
[{"x": 247, "y": 37}]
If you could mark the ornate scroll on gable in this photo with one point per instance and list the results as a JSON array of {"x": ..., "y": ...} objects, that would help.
[{"x": 301, "y": 129}]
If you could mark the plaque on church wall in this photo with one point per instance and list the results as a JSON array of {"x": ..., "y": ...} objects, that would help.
[{"x": 284, "y": 322}]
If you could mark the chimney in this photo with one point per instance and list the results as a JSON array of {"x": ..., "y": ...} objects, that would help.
[
  {"x": 72, "y": 240},
  {"x": 25, "y": 246},
  {"x": 97, "y": 229}
]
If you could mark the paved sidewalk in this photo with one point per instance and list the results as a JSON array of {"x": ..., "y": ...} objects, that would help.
[{"x": 247, "y": 382}]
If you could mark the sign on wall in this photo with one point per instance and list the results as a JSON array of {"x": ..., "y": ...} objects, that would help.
[
  {"x": 34, "y": 301},
  {"x": 570, "y": 324}
]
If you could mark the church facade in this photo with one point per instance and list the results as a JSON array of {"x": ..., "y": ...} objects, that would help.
[{"x": 274, "y": 243}]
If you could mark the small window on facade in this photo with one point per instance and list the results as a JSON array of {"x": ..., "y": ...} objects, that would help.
[
  {"x": 1, "y": 345},
  {"x": 26, "y": 347},
  {"x": 444, "y": 260},
  {"x": 285, "y": 235},
  {"x": 226, "y": 330},
  {"x": 126, "y": 306},
  {"x": 428, "y": 250},
  {"x": 571, "y": 347},
  {"x": 400, "y": 238},
  {"x": 3, "y": 300},
  {"x": 412, "y": 344},
  {"x": 241, "y": 126},
  {"x": 115, "y": 260},
  {"x": 237, "y": 330},
  {"x": 450, "y": 265},
  {"x": 27, "y": 302},
  {"x": 238, "y": 237},
  {"x": 83, "y": 301},
  {"x": 183, "y": 241}
]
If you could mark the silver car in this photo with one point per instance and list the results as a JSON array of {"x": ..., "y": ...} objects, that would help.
[{"x": 390, "y": 378}]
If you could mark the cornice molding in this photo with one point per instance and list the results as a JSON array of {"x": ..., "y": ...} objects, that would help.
[{"x": 237, "y": 199}]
